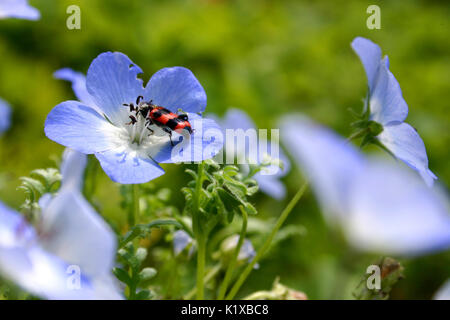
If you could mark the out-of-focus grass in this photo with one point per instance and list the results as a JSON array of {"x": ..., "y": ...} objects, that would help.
[{"x": 266, "y": 57}]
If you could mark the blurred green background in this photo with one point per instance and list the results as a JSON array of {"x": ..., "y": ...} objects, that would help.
[{"x": 266, "y": 57}]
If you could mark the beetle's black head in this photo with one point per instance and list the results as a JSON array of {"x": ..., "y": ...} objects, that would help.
[{"x": 144, "y": 110}]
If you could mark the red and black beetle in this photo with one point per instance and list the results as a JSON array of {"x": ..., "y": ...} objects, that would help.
[{"x": 161, "y": 117}]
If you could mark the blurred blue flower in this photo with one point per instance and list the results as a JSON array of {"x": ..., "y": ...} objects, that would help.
[
  {"x": 444, "y": 292},
  {"x": 18, "y": 9},
  {"x": 5, "y": 116},
  {"x": 128, "y": 153},
  {"x": 388, "y": 108},
  {"x": 269, "y": 178},
  {"x": 246, "y": 254},
  {"x": 381, "y": 206},
  {"x": 69, "y": 236},
  {"x": 181, "y": 240},
  {"x": 72, "y": 169}
]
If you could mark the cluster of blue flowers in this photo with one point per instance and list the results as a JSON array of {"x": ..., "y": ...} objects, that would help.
[{"x": 380, "y": 205}]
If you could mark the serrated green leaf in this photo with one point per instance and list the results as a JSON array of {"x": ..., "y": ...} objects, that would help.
[
  {"x": 123, "y": 276},
  {"x": 252, "y": 190},
  {"x": 33, "y": 187},
  {"x": 49, "y": 175},
  {"x": 251, "y": 210},
  {"x": 192, "y": 173}
]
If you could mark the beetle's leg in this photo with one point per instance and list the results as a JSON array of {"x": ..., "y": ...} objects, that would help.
[
  {"x": 148, "y": 122},
  {"x": 132, "y": 107},
  {"x": 170, "y": 135},
  {"x": 133, "y": 120},
  {"x": 138, "y": 99}
]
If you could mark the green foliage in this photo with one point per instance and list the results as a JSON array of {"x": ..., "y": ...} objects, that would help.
[
  {"x": 40, "y": 182},
  {"x": 223, "y": 191},
  {"x": 143, "y": 230},
  {"x": 132, "y": 274}
]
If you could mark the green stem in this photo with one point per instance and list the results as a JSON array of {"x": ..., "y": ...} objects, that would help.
[
  {"x": 133, "y": 215},
  {"x": 199, "y": 232},
  {"x": 232, "y": 264},
  {"x": 209, "y": 276},
  {"x": 358, "y": 134},
  {"x": 201, "y": 257},
  {"x": 268, "y": 241}
]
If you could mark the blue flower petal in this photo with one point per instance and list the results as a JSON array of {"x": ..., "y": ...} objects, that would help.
[
  {"x": 24, "y": 261},
  {"x": 370, "y": 55},
  {"x": 18, "y": 9},
  {"x": 128, "y": 167},
  {"x": 386, "y": 101},
  {"x": 444, "y": 292},
  {"x": 112, "y": 81},
  {"x": 41, "y": 273},
  {"x": 72, "y": 169},
  {"x": 247, "y": 251},
  {"x": 392, "y": 211},
  {"x": 5, "y": 116},
  {"x": 271, "y": 186},
  {"x": 14, "y": 229},
  {"x": 78, "y": 84},
  {"x": 203, "y": 144},
  {"x": 176, "y": 88},
  {"x": 181, "y": 239},
  {"x": 405, "y": 143},
  {"x": 267, "y": 179},
  {"x": 237, "y": 119},
  {"x": 329, "y": 162},
  {"x": 79, "y": 127},
  {"x": 45, "y": 200},
  {"x": 77, "y": 234}
]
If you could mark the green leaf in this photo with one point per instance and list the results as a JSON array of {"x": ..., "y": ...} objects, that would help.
[
  {"x": 141, "y": 230},
  {"x": 33, "y": 187},
  {"x": 143, "y": 295},
  {"x": 50, "y": 176},
  {"x": 192, "y": 173},
  {"x": 123, "y": 276},
  {"x": 251, "y": 210}
]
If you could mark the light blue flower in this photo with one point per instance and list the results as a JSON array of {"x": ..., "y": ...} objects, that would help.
[
  {"x": 69, "y": 237},
  {"x": 5, "y": 116},
  {"x": 381, "y": 206},
  {"x": 181, "y": 240},
  {"x": 388, "y": 108},
  {"x": 18, "y": 9},
  {"x": 246, "y": 254},
  {"x": 269, "y": 178},
  {"x": 100, "y": 123},
  {"x": 444, "y": 292}
]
